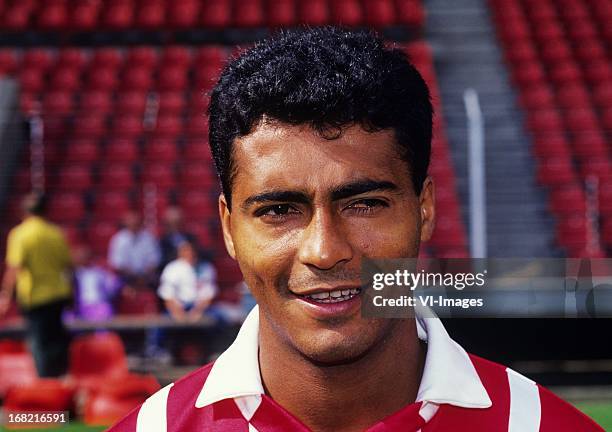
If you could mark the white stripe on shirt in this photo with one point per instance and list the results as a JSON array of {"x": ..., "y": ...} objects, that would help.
[
  {"x": 152, "y": 414},
  {"x": 525, "y": 409}
]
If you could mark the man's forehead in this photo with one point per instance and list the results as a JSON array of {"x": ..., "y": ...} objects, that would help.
[{"x": 302, "y": 146}]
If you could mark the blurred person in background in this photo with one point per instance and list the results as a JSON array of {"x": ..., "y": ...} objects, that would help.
[
  {"x": 174, "y": 234},
  {"x": 95, "y": 288},
  {"x": 187, "y": 286},
  {"x": 134, "y": 253},
  {"x": 38, "y": 265}
]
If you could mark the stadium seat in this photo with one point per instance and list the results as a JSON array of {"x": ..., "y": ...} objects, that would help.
[
  {"x": 115, "y": 397},
  {"x": 117, "y": 176},
  {"x": 568, "y": 200},
  {"x": 109, "y": 204},
  {"x": 555, "y": 171},
  {"x": 161, "y": 150},
  {"x": 131, "y": 103},
  {"x": 139, "y": 302},
  {"x": 196, "y": 150},
  {"x": 121, "y": 150},
  {"x": 151, "y": 15},
  {"x": 168, "y": 126},
  {"x": 74, "y": 177},
  {"x": 84, "y": 15},
  {"x": 197, "y": 204},
  {"x": 66, "y": 207},
  {"x": 36, "y": 58},
  {"x": 118, "y": 15},
  {"x": 90, "y": 126},
  {"x": 379, "y": 13},
  {"x": 53, "y": 16},
  {"x": 106, "y": 57},
  {"x": 16, "y": 368},
  {"x": 195, "y": 175},
  {"x": 183, "y": 14},
  {"x": 160, "y": 174},
  {"x": 137, "y": 78},
  {"x": 172, "y": 78},
  {"x": 346, "y": 12},
  {"x": 40, "y": 395},
  {"x": 176, "y": 55},
  {"x": 103, "y": 78},
  {"x": 281, "y": 13},
  {"x": 99, "y": 234},
  {"x": 127, "y": 127},
  {"x": 410, "y": 12},
  {"x": 8, "y": 61},
  {"x": 97, "y": 355},
  {"x": 313, "y": 12},
  {"x": 249, "y": 13},
  {"x": 96, "y": 101},
  {"x": 58, "y": 102},
  {"x": 65, "y": 78},
  {"x": 216, "y": 14}
]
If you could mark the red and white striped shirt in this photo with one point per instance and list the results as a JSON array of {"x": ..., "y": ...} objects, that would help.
[{"x": 459, "y": 392}]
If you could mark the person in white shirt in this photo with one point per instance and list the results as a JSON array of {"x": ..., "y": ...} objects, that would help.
[
  {"x": 134, "y": 253},
  {"x": 187, "y": 287}
]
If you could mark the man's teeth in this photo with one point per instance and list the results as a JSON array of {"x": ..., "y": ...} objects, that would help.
[{"x": 334, "y": 296}]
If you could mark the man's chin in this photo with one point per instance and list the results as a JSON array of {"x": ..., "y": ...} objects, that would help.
[{"x": 334, "y": 350}]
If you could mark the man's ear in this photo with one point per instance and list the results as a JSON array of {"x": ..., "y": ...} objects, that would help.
[
  {"x": 427, "y": 202},
  {"x": 226, "y": 225}
]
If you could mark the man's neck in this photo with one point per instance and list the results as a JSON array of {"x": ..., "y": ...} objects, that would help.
[{"x": 350, "y": 397}]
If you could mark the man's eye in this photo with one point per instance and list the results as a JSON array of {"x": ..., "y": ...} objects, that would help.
[
  {"x": 366, "y": 206},
  {"x": 278, "y": 210}
]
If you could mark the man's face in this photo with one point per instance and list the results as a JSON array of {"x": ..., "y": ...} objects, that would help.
[{"x": 305, "y": 212}]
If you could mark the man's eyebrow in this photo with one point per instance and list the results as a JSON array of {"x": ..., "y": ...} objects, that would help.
[
  {"x": 280, "y": 196},
  {"x": 361, "y": 186}
]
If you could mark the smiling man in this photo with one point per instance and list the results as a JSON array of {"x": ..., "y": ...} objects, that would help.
[{"x": 321, "y": 139}]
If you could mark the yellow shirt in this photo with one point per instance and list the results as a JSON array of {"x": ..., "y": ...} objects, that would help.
[{"x": 39, "y": 250}]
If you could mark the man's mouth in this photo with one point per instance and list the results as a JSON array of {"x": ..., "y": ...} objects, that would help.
[{"x": 335, "y": 296}]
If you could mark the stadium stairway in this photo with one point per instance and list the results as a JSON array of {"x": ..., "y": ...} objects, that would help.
[{"x": 466, "y": 55}]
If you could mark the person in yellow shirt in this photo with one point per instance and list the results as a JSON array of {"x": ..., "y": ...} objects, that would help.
[{"x": 38, "y": 265}]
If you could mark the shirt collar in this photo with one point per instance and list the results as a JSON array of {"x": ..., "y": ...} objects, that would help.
[{"x": 449, "y": 377}]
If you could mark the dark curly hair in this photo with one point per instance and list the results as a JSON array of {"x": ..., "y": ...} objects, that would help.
[{"x": 326, "y": 78}]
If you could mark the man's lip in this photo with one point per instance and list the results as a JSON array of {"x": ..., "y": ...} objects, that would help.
[{"x": 326, "y": 289}]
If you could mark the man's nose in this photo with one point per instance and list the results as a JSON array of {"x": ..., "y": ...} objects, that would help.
[{"x": 324, "y": 243}]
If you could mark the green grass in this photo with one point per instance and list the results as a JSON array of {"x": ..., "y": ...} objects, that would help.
[{"x": 601, "y": 412}]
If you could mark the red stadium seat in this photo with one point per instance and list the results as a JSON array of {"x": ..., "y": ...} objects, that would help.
[
  {"x": 248, "y": 13},
  {"x": 536, "y": 97},
  {"x": 8, "y": 62},
  {"x": 410, "y": 12},
  {"x": 103, "y": 78},
  {"x": 605, "y": 198},
  {"x": 53, "y": 16},
  {"x": 96, "y": 101},
  {"x": 448, "y": 232},
  {"x": 172, "y": 78},
  {"x": 91, "y": 126},
  {"x": 565, "y": 72},
  {"x": 99, "y": 234},
  {"x": 313, "y": 12},
  {"x": 197, "y": 150},
  {"x": 548, "y": 30},
  {"x": 571, "y": 232},
  {"x": 545, "y": 121},
  {"x": 168, "y": 126},
  {"x": 71, "y": 57},
  {"x": 176, "y": 55},
  {"x": 281, "y": 13},
  {"x": 196, "y": 127},
  {"x": 36, "y": 58},
  {"x": 171, "y": 103},
  {"x": 66, "y": 208},
  {"x": 582, "y": 30},
  {"x": 109, "y": 204},
  {"x": 573, "y": 95},
  {"x": 183, "y": 14},
  {"x": 198, "y": 204},
  {"x": 127, "y": 127},
  {"x": 598, "y": 71},
  {"x": 131, "y": 103},
  {"x": 116, "y": 397},
  {"x": 16, "y": 368},
  {"x": 379, "y": 13},
  {"x": 137, "y": 78},
  {"x": 581, "y": 120},
  {"x": 31, "y": 80},
  {"x": 161, "y": 150},
  {"x": 555, "y": 171},
  {"x": 529, "y": 73},
  {"x": 106, "y": 57},
  {"x": 116, "y": 177},
  {"x": 555, "y": 50},
  {"x": 97, "y": 355},
  {"x": 58, "y": 102},
  {"x": 196, "y": 175},
  {"x": 75, "y": 177},
  {"x": 84, "y": 15},
  {"x": 522, "y": 51},
  {"x": 160, "y": 174},
  {"x": 346, "y": 12},
  {"x": 151, "y": 15},
  {"x": 118, "y": 15},
  {"x": 121, "y": 150},
  {"x": 589, "y": 146},
  {"x": 138, "y": 303},
  {"x": 590, "y": 49},
  {"x": 40, "y": 395},
  {"x": 568, "y": 200},
  {"x": 142, "y": 56},
  {"x": 216, "y": 14},
  {"x": 16, "y": 18}
]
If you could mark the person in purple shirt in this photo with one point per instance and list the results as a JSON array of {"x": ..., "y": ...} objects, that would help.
[{"x": 95, "y": 288}]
